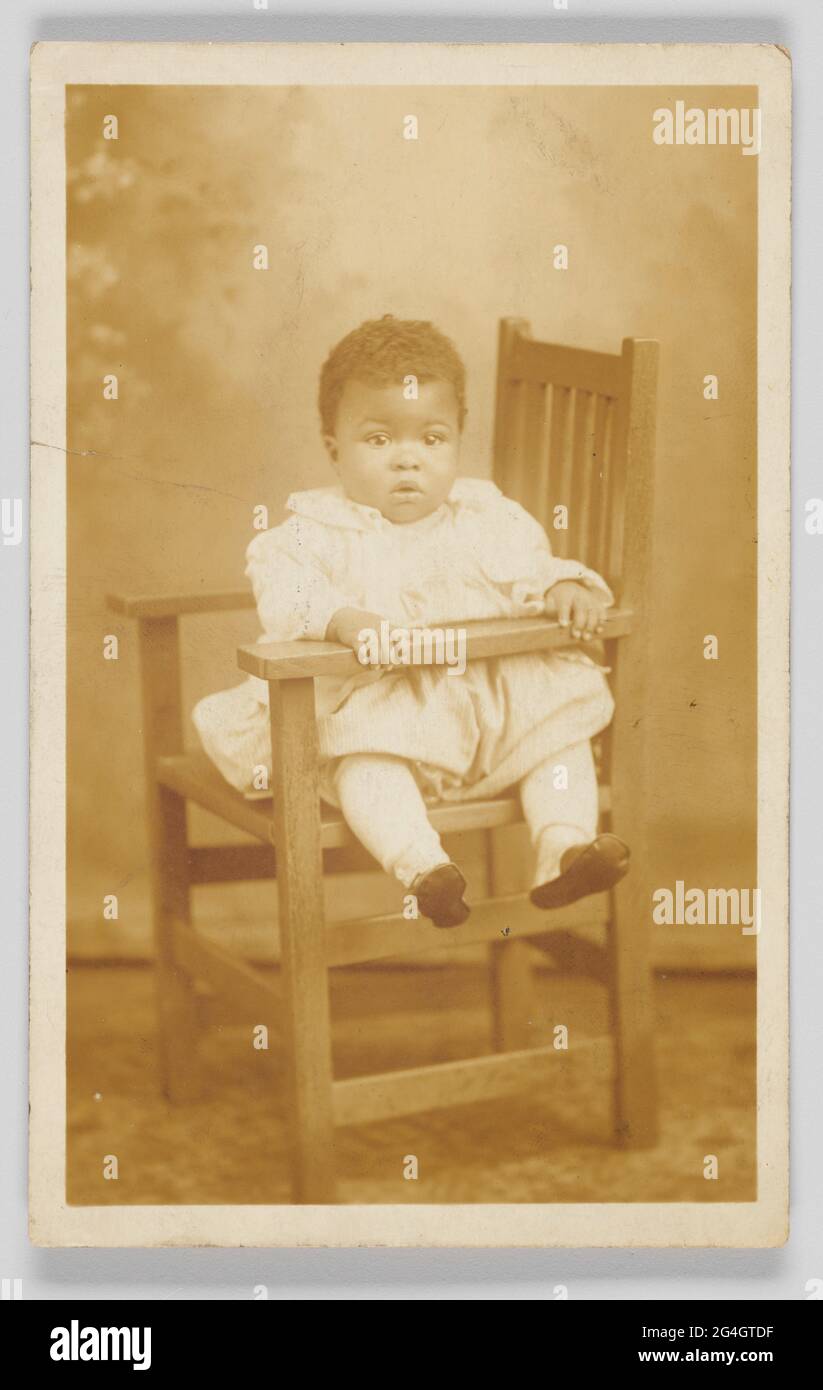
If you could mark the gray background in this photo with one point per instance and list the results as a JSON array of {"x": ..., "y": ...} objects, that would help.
[{"x": 779, "y": 1274}]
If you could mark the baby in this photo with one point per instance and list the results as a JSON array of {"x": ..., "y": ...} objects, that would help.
[{"x": 402, "y": 540}]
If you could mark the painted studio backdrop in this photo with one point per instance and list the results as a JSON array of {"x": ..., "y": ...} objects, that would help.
[{"x": 217, "y": 365}]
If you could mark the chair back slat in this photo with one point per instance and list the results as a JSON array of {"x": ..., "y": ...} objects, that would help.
[
  {"x": 599, "y": 506},
  {"x": 560, "y": 464},
  {"x": 615, "y": 527},
  {"x": 563, "y": 434},
  {"x": 533, "y": 445},
  {"x": 582, "y": 472}
]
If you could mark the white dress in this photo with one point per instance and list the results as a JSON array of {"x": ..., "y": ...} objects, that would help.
[{"x": 479, "y": 555}]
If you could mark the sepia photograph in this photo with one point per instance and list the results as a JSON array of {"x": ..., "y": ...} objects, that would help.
[{"x": 410, "y": 644}]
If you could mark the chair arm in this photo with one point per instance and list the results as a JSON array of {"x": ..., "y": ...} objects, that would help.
[
  {"x": 283, "y": 661},
  {"x": 172, "y": 605}
]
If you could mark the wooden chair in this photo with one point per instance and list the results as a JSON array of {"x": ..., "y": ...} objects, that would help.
[{"x": 574, "y": 429}]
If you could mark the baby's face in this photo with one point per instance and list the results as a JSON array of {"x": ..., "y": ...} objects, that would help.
[{"x": 397, "y": 455}]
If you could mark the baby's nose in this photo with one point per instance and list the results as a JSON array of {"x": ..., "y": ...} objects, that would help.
[{"x": 406, "y": 458}]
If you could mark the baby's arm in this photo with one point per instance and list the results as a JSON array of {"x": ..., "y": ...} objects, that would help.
[
  {"x": 291, "y": 569},
  {"x": 292, "y": 581},
  {"x": 577, "y": 595}
]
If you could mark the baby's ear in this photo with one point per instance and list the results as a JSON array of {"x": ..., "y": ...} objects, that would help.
[{"x": 331, "y": 446}]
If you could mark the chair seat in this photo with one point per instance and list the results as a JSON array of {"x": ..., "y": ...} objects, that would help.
[{"x": 193, "y": 775}]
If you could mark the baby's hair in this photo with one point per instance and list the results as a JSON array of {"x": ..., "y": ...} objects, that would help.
[{"x": 383, "y": 352}]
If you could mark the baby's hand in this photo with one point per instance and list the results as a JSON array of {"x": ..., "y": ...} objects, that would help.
[
  {"x": 348, "y": 626},
  {"x": 576, "y": 604}
]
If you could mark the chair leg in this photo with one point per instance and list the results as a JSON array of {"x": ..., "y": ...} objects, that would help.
[
  {"x": 304, "y": 969},
  {"x": 181, "y": 1070},
  {"x": 633, "y": 661},
  {"x": 631, "y": 985},
  {"x": 178, "y": 1032},
  {"x": 631, "y": 1000},
  {"x": 510, "y": 962}
]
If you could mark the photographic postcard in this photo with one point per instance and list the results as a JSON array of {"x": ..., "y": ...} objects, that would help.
[{"x": 409, "y": 644}]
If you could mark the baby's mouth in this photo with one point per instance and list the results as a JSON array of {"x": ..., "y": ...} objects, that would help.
[{"x": 407, "y": 490}]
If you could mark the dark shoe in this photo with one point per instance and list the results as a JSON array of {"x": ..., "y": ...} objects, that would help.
[
  {"x": 439, "y": 895},
  {"x": 585, "y": 869}
]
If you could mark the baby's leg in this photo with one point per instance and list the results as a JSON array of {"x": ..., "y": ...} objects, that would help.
[
  {"x": 383, "y": 805},
  {"x": 560, "y": 809}
]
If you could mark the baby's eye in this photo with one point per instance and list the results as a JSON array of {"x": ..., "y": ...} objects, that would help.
[
  {"x": 378, "y": 440},
  {"x": 431, "y": 439}
]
